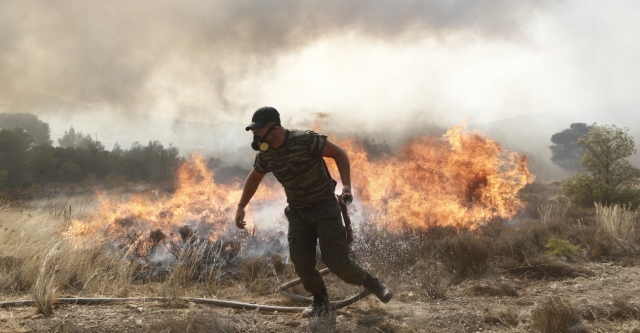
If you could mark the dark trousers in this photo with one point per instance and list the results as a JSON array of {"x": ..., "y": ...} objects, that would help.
[{"x": 322, "y": 223}]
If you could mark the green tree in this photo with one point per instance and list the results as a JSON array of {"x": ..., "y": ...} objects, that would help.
[
  {"x": 15, "y": 152},
  {"x": 38, "y": 129},
  {"x": 565, "y": 151},
  {"x": 608, "y": 177},
  {"x": 151, "y": 163},
  {"x": 44, "y": 163},
  {"x": 70, "y": 171},
  {"x": 3, "y": 179},
  {"x": 73, "y": 139}
]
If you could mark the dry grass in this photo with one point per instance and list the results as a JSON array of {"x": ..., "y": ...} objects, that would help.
[
  {"x": 394, "y": 326},
  {"x": 257, "y": 275},
  {"x": 493, "y": 288},
  {"x": 552, "y": 212},
  {"x": 557, "y": 315},
  {"x": 199, "y": 323},
  {"x": 44, "y": 289},
  {"x": 37, "y": 259},
  {"x": 543, "y": 267},
  {"x": 618, "y": 220},
  {"x": 11, "y": 325},
  {"x": 387, "y": 253},
  {"x": 620, "y": 308},
  {"x": 504, "y": 317},
  {"x": 433, "y": 280},
  {"x": 465, "y": 255},
  {"x": 520, "y": 244}
]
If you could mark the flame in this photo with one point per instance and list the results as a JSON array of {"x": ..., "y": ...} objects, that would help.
[
  {"x": 198, "y": 202},
  {"x": 462, "y": 179}
]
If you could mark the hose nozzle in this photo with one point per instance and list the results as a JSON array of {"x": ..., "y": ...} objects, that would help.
[{"x": 346, "y": 198}]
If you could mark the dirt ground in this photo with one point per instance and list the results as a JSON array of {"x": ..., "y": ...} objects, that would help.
[{"x": 492, "y": 304}]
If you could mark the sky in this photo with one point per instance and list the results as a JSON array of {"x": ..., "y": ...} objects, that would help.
[{"x": 192, "y": 73}]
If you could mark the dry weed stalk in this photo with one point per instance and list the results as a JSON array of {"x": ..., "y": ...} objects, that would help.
[
  {"x": 552, "y": 212},
  {"x": 44, "y": 289},
  {"x": 618, "y": 220}
]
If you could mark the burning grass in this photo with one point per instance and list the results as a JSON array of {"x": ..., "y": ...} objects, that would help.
[
  {"x": 183, "y": 243},
  {"x": 37, "y": 259}
]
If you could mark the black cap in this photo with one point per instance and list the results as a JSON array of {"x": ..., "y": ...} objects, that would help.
[{"x": 262, "y": 116}]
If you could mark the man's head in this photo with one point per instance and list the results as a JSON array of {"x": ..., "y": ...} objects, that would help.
[{"x": 262, "y": 117}]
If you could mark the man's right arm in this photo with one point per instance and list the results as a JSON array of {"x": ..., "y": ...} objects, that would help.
[{"x": 249, "y": 189}]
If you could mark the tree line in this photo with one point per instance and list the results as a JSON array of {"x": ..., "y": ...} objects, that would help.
[
  {"x": 597, "y": 155},
  {"x": 27, "y": 157}
]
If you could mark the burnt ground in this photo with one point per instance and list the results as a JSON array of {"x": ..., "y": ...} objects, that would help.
[{"x": 604, "y": 295}]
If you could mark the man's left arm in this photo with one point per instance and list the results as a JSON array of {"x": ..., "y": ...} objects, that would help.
[{"x": 338, "y": 154}]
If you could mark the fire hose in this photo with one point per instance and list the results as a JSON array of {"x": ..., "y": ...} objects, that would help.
[
  {"x": 223, "y": 303},
  {"x": 283, "y": 290}
]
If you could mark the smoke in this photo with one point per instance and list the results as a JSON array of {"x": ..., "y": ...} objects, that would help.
[{"x": 193, "y": 57}]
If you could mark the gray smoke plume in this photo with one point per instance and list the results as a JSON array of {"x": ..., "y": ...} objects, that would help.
[{"x": 135, "y": 55}]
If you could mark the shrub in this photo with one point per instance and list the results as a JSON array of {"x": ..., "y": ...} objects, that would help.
[
  {"x": 387, "y": 253},
  {"x": 528, "y": 241},
  {"x": 543, "y": 267},
  {"x": 556, "y": 315},
  {"x": 465, "y": 255},
  {"x": 560, "y": 247},
  {"x": 257, "y": 274}
]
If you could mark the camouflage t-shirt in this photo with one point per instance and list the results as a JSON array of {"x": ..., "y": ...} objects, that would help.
[{"x": 300, "y": 168}]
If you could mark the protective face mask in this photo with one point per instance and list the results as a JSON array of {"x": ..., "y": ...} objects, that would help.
[{"x": 258, "y": 143}]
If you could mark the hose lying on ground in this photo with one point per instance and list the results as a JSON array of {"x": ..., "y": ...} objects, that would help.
[{"x": 229, "y": 304}]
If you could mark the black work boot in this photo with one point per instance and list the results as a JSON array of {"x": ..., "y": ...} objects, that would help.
[
  {"x": 321, "y": 306},
  {"x": 381, "y": 290}
]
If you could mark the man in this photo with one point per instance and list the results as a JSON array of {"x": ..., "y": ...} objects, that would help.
[{"x": 296, "y": 159}]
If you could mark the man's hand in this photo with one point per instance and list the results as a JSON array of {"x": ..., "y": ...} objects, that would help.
[
  {"x": 346, "y": 197},
  {"x": 240, "y": 223},
  {"x": 346, "y": 189}
]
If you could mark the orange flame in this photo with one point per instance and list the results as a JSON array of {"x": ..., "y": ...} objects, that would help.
[
  {"x": 462, "y": 179},
  {"x": 198, "y": 201}
]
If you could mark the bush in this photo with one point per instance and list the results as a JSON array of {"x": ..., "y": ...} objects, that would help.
[
  {"x": 560, "y": 247},
  {"x": 519, "y": 245},
  {"x": 585, "y": 190},
  {"x": 465, "y": 255},
  {"x": 556, "y": 315}
]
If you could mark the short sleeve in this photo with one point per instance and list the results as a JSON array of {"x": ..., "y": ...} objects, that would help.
[
  {"x": 317, "y": 143},
  {"x": 260, "y": 165}
]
